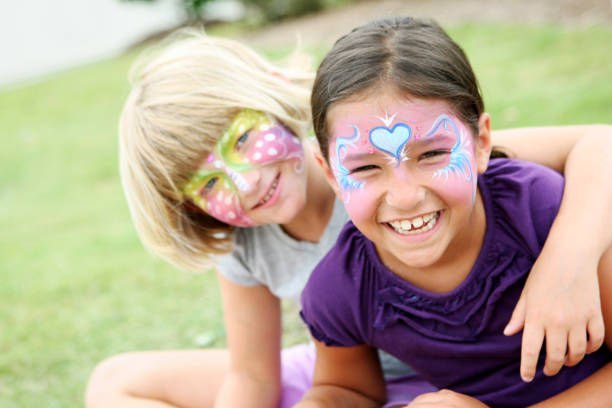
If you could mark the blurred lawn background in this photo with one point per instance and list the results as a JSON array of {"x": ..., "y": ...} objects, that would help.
[{"x": 76, "y": 284}]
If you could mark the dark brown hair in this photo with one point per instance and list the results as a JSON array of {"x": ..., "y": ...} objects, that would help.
[{"x": 416, "y": 56}]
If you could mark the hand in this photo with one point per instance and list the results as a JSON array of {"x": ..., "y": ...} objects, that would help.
[
  {"x": 560, "y": 302},
  {"x": 445, "y": 399}
]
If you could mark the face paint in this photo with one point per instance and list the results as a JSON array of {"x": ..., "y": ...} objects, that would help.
[
  {"x": 391, "y": 141},
  {"x": 253, "y": 139},
  {"x": 461, "y": 161},
  {"x": 460, "y": 155},
  {"x": 411, "y": 171},
  {"x": 345, "y": 181},
  {"x": 439, "y": 156}
]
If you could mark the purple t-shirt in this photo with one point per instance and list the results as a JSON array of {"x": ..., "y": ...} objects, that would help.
[{"x": 454, "y": 340}]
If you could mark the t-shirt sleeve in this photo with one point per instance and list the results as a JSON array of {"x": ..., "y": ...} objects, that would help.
[
  {"x": 235, "y": 265},
  {"x": 527, "y": 197},
  {"x": 546, "y": 195},
  {"x": 332, "y": 305}
]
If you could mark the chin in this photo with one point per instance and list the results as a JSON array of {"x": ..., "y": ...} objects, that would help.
[{"x": 416, "y": 259}]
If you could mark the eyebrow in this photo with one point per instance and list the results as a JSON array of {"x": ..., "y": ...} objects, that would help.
[
  {"x": 421, "y": 143},
  {"x": 426, "y": 141}
]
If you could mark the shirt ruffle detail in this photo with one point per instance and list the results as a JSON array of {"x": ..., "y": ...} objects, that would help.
[{"x": 456, "y": 316}]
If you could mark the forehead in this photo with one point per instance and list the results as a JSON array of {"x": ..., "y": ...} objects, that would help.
[{"x": 385, "y": 110}]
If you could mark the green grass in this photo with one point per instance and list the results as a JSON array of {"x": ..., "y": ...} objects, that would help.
[{"x": 77, "y": 286}]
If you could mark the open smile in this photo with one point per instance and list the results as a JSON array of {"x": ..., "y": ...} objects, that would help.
[
  {"x": 416, "y": 225},
  {"x": 271, "y": 193}
]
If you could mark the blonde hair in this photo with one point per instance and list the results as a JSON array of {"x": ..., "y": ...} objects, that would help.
[{"x": 181, "y": 102}]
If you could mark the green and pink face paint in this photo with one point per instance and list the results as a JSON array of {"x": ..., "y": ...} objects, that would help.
[
  {"x": 253, "y": 139},
  {"x": 427, "y": 145}
]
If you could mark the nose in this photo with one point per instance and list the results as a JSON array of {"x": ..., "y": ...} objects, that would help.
[
  {"x": 404, "y": 191},
  {"x": 247, "y": 181}
]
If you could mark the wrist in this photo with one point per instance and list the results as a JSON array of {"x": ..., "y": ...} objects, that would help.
[{"x": 577, "y": 236}]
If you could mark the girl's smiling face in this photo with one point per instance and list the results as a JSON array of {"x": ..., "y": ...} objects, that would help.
[
  {"x": 406, "y": 170},
  {"x": 242, "y": 178}
]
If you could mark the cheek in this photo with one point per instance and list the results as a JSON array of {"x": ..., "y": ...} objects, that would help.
[
  {"x": 456, "y": 189},
  {"x": 224, "y": 205},
  {"x": 274, "y": 144},
  {"x": 457, "y": 186},
  {"x": 361, "y": 204}
]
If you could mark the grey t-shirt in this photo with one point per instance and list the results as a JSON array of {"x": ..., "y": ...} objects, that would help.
[{"x": 266, "y": 255}]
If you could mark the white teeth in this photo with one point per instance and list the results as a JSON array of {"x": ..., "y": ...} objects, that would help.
[
  {"x": 270, "y": 193},
  {"x": 419, "y": 224}
]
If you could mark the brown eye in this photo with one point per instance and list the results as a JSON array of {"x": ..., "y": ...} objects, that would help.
[
  {"x": 433, "y": 153},
  {"x": 209, "y": 185},
  {"x": 363, "y": 168},
  {"x": 241, "y": 140}
]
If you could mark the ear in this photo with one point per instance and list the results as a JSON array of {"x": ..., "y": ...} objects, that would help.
[
  {"x": 327, "y": 171},
  {"x": 483, "y": 145}
]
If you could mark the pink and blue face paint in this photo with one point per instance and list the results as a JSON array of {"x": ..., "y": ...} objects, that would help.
[
  {"x": 397, "y": 141},
  {"x": 343, "y": 176},
  {"x": 461, "y": 160},
  {"x": 253, "y": 139}
]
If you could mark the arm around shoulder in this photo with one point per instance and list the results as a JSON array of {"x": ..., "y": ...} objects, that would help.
[
  {"x": 595, "y": 390},
  {"x": 560, "y": 301}
]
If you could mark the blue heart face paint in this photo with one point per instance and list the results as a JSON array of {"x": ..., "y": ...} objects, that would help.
[
  {"x": 391, "y": 141},
  {"x": 405, "y": 170}
]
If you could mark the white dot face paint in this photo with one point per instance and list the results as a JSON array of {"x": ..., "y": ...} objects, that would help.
[
  {"x": 253, "y": 139},
  {"x": 403, "y": 168}
]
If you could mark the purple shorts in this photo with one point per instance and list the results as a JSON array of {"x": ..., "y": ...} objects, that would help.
[{"x": 298, "y": 366}]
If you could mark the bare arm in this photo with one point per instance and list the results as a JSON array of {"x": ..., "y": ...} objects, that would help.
[
  {"x": 348, "y": 377},
  {"x": 253, "y": 324},
  {"x": 560, "y": 302},
  {"x": 549, "y": 146}
]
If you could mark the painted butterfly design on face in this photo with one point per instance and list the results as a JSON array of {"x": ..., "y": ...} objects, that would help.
[{"x": 253, "y": 139}]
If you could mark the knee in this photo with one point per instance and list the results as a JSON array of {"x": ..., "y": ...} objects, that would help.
[{"x": 107, "y": 381}]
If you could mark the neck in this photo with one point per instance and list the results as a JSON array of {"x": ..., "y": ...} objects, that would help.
[
  {"x": 310, "y": 223},
  {"x": 458, "y": 259}
]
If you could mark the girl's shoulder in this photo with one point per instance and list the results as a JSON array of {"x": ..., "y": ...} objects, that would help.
[
  {"x": 335, "y": 291},
  {"x": 519, "y": 172},
  {"x": 522, "y": 197}
]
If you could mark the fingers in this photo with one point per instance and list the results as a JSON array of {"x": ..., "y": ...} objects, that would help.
[
  {"x": 596, "y": 330},
  {"x": 425, "y": 400},
  {"x": 562, "y": 348},
  {"x": 517, "y": 320},
  {"x": 445, "y": 398},
  {"x": 431, "y": 399},
  {"x": 556, "y": 346},
  {"x": 530, "y": 351},
  {"x": 576, "y": 347}
]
